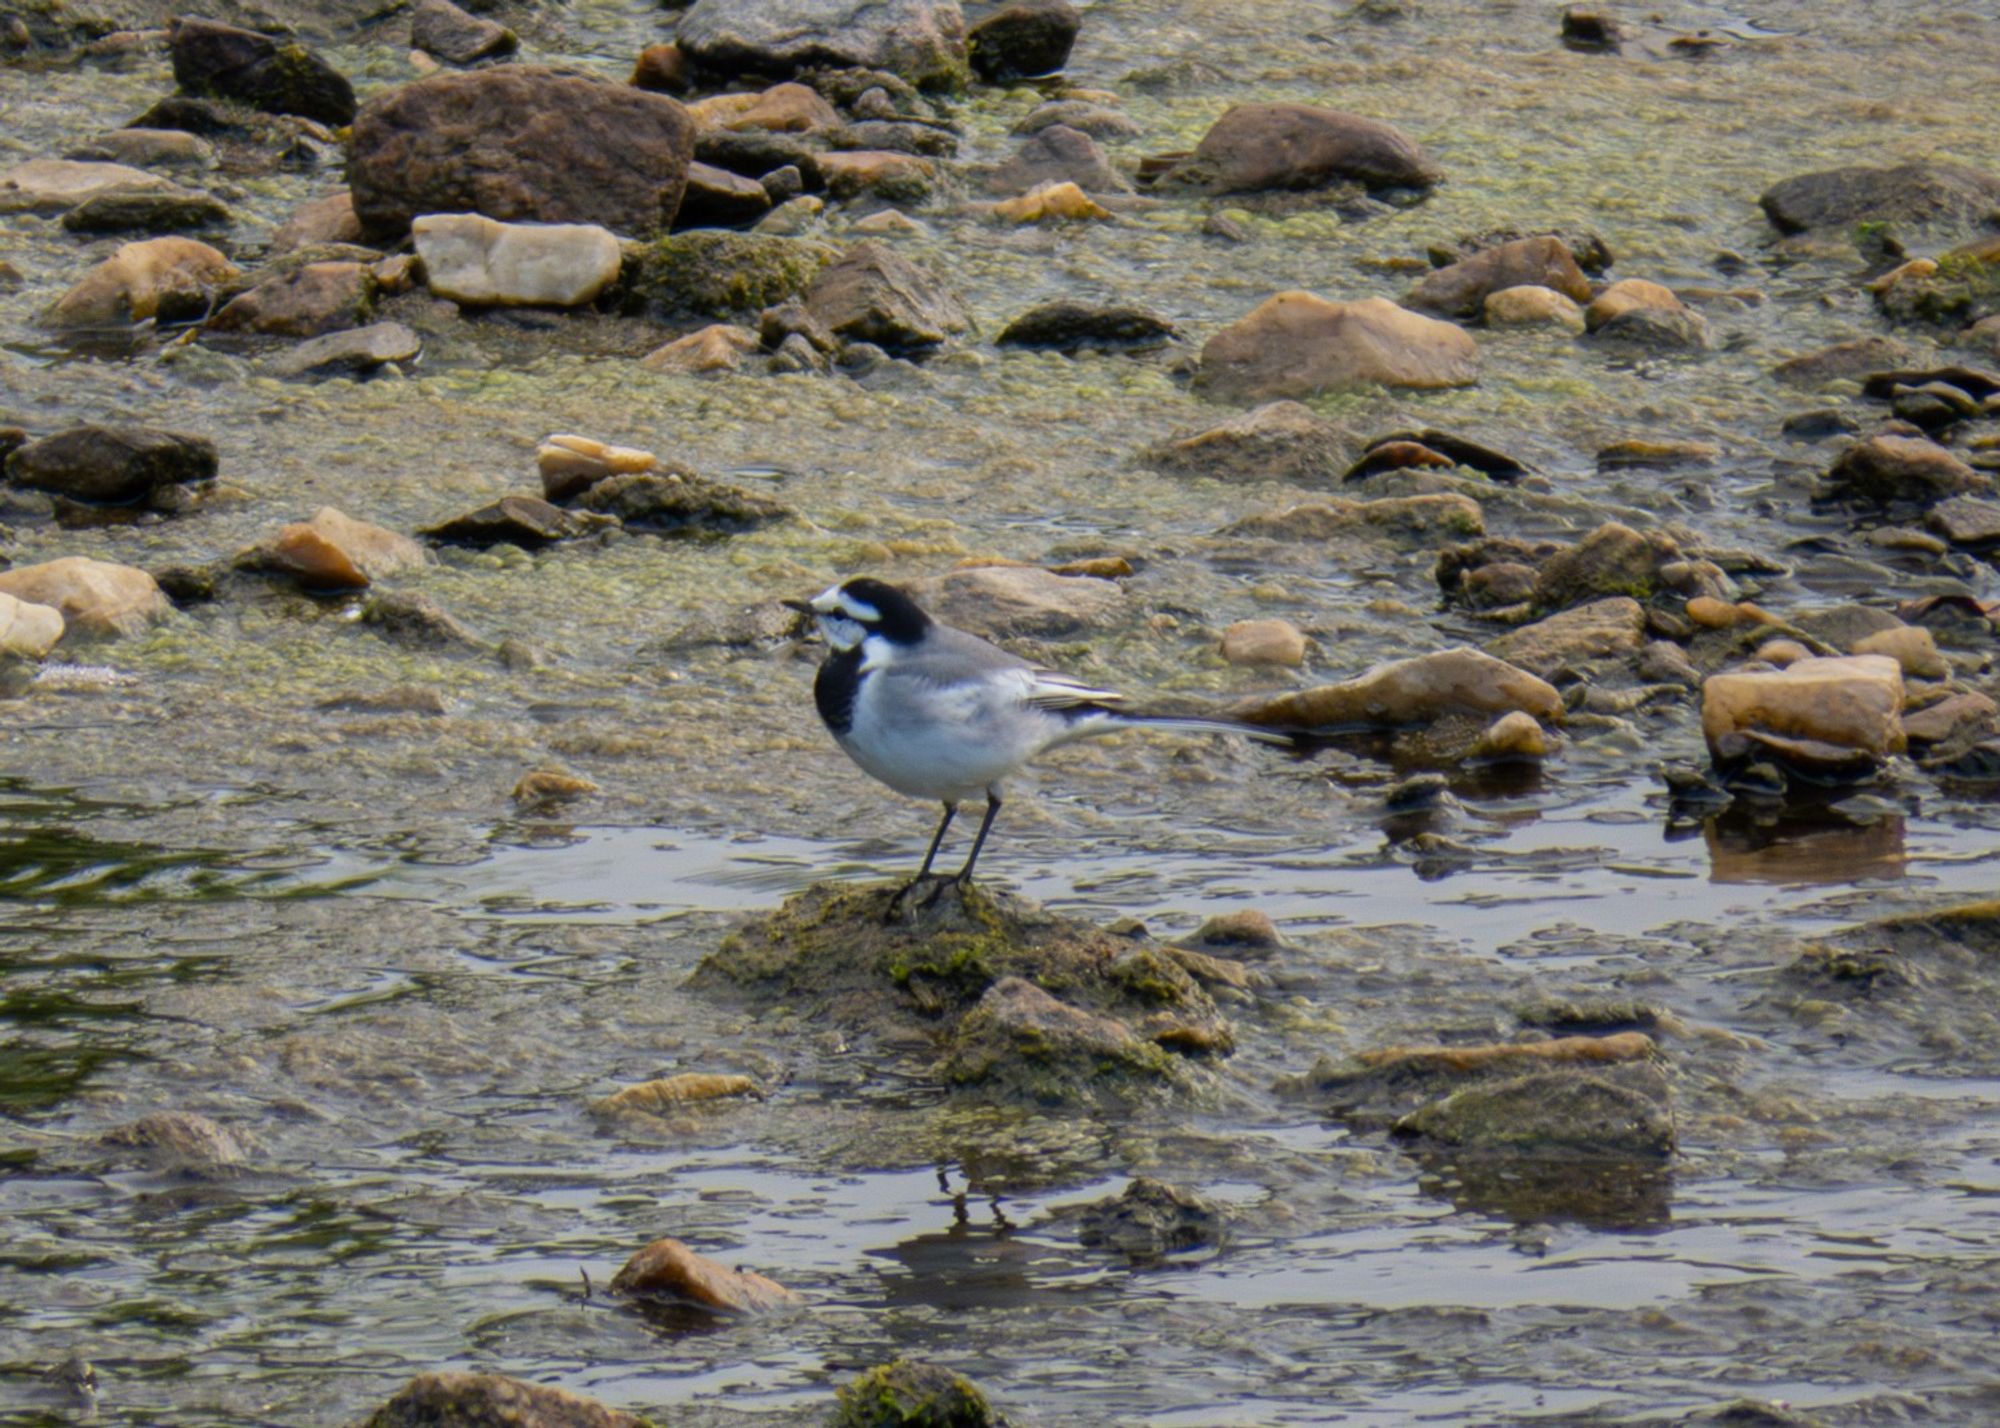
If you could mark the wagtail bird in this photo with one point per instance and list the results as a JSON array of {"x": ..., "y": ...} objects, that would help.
[{"x": 935, "y": 712}]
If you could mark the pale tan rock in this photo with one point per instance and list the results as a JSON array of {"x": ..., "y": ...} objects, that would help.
[
  {"x": 1533, "y": 306},
  {"x": 569, "y": 464},
  {"x": 1051, "y": 202},
  {"x": 672, "y": 1093},
  {"x": 891, "y": 223},
  {"x": 1713, "y": 614},
  {"x": 1298, "y": 344},
  {"x": 1628, "y": 296},
  {"x": 94, "y": 597},
  {"x": 1911, "y": 646},
  {"x": 666, "y": 1268},
  {"x": 1782, "y": 652},
  {"x": 28, "y": 630},
  {"x": 1416, "y": 691},
  {"x": 1852, "y": 702},
  {"x": 58, "y": 185},
  {"x": 473, "y": 259},
  {"x": 334, "y": 551},
  {"x": 719, "y": 347},
  {"x": 1264, "y": 642},
  {"x": 165, "y": 278},
  {"x": 1512, "y": 736}
]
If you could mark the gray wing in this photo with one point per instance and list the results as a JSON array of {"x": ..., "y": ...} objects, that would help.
[{"x": 954, "y": 657}]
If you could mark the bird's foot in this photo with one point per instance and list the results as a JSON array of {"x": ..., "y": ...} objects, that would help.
[{"x": 938, "y": 882}]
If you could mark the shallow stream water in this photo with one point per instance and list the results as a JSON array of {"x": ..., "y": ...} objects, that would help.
[{"x": 334, "y": 932}]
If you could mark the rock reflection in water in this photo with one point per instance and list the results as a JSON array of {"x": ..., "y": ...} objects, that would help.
[
  {"x": 1815, "y": 844},
  {"x": 1608, "y": 1195}
]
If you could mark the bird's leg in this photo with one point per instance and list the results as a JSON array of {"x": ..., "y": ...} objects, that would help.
[
  {"x": 963, "y": 876},
  {"x": 950, "y": 811}
]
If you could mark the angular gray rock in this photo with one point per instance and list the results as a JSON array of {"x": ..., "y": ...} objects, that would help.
[{"x": 875, "y": 294}]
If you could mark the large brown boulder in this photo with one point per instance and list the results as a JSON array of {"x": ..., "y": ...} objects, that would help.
[
  {"x": 1298, "y": 344},
  {"x": 1255, "y": 147},
  {"x": 520, "y": 142}
]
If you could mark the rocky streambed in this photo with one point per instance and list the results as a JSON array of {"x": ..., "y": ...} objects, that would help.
[{"x": 446, "y": 974}]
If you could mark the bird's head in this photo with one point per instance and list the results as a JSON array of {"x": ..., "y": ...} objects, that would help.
[{"x": 855, "y": 610}]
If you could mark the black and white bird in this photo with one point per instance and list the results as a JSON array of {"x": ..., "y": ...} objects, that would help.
[{"x": 937, "y": 713}]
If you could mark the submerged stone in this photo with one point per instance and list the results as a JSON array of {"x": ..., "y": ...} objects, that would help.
[
  {"x": 681, "y": 502},
  {"x": 112, "y": 464},
  {"x": 1151, "y": 1219},
  {"x": 1255, "y": 147},
  {"x": 491, "y": 1400},
  {"x": 1298, "y": 344},
  {"x": 168, "y": 279},
  {"x": 1279, "y": 441}
]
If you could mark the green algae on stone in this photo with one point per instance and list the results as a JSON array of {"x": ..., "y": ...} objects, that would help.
[
  {"x": 1620, "y": 1114},
  {"x": 908, "y": 1393},
  {"x": 1026, "y": 1006},
  {"x": 716, "y": 273}
]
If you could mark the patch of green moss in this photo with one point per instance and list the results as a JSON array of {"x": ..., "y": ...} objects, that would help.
[
  {"x": 905, "y": 1393},
  {"x": 717, "y": 273}
]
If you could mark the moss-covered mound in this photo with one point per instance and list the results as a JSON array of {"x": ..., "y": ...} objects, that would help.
[{"x": 1021, "y": 1006}]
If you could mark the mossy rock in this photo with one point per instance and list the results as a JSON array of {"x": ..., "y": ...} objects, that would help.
[
  {"x": 717, "y": 273},
  {"x": 1023, "y": 1006},
  {"x": 908, "y": 1393},
  {"x": 1964, "y": 289},
  {"x": 1620, "y": 1114}
]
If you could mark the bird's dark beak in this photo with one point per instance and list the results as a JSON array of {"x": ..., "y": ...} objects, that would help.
[{"x": 804, "y": 607}]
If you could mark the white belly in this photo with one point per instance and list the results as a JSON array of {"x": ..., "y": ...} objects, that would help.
[{"x": 955, "y": 747}]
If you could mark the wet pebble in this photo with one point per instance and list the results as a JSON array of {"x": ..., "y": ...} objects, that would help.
[
  {"x": 1264, "y": 642},
  {"x": 1279, "y": 441},
  {"x": 669, "y": 1270},
  {"x": 27, "y": 630},
  {"x": 719, "y": 347},
  {"x": 1531, "y": 306}
]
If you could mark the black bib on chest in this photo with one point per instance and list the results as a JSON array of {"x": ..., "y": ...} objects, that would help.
[{"x": 834, "y": 688}]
